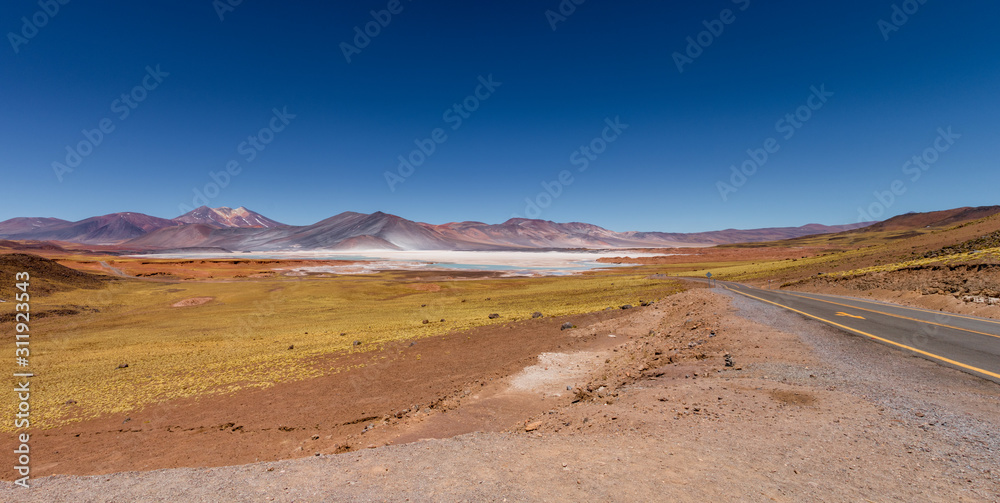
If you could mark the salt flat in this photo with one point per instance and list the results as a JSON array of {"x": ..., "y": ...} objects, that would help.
[{"x": 515, "y": 262}]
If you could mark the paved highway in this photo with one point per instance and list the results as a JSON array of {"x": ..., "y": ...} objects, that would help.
[{"x": 965, "y": 342}]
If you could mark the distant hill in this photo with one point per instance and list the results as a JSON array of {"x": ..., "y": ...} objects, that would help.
[
  {"x": 22, "y": 225},
  {"x": 115, "y": 228},
  {"x": 945, "y": 218},
  {"x": 910, "y": 233},
  {"x": 35, "y": 246},
  {"x": 526, "y": 233},
  {"x": 46, "y": 276},
  {"x": 242, "y": 229},
  {"x": 105, "y": 229}
]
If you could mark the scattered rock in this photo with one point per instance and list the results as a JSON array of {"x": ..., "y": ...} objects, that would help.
[
  {"x": 567, "y": 326},
  {"x": 536, "y": 314},
  {"x": 533, "y": 426},
  {"x": 291, "y": 347},
  {"x": 426, "y": 322},
  {"x": 494, "y": 316},
  {"x": 729, "y": 360},
  {"x": 357, "y": 343},
  {"x": 627, "y": 306},
  {"x": 123, "y": 366}
]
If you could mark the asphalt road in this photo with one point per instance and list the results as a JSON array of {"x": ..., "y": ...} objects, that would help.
[{"x": 964, "y": 342}]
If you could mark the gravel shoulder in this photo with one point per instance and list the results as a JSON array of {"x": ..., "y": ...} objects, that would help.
[{"x": 796, "y": 411}]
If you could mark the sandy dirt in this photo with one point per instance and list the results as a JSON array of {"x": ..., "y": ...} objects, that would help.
[{"x": 771, "y": 407}]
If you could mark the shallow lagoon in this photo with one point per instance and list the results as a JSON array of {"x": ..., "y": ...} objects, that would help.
[{"x": 510, "y": 262}]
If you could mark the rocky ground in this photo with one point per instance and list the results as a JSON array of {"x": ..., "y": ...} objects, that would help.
[{"x": 700, "y": 396}]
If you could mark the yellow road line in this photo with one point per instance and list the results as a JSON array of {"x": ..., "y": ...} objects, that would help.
[
  {"x": 849, "y": 315},
  {"x": 877, "y": 338},
  {"x": 894, "y": 315},
  {"x": 928, "y": 311}
]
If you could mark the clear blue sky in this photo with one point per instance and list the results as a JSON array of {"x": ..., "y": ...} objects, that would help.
[{"x": 940, "y": 68}]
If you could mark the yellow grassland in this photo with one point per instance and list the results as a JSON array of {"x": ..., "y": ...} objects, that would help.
[{"x": 241, "y": 338}]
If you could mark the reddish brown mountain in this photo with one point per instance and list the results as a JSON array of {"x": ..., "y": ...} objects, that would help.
[
  {"x": 22, "y": 225},
  {"x": 105, "y": 229},
  {"x": 241, "y": 229},
  {"x": 382, "y": 231},
  {"x": 933, "y": 219},
  {"x": 227, "y": 217},
  {"x": 525, "y": 233}
]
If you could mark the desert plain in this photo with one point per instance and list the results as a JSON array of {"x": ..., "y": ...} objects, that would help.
[{"x": 293, "y": 379}]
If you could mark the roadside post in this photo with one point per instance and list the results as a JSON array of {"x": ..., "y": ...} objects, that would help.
[{"x": 710, "y": 282}]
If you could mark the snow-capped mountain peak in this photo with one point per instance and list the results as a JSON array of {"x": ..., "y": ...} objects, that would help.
[{"x": 227, "y": 217}]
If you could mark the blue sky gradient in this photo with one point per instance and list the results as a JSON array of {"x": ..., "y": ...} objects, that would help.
[{"x": 939, "y": 68}]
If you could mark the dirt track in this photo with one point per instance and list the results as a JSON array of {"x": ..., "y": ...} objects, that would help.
[{"x": 805, "y": 413}]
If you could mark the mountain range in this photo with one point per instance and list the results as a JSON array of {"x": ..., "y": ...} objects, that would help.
[
  {"x": 116, "y": 228},
  {"x": 241, "y": 229}
]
